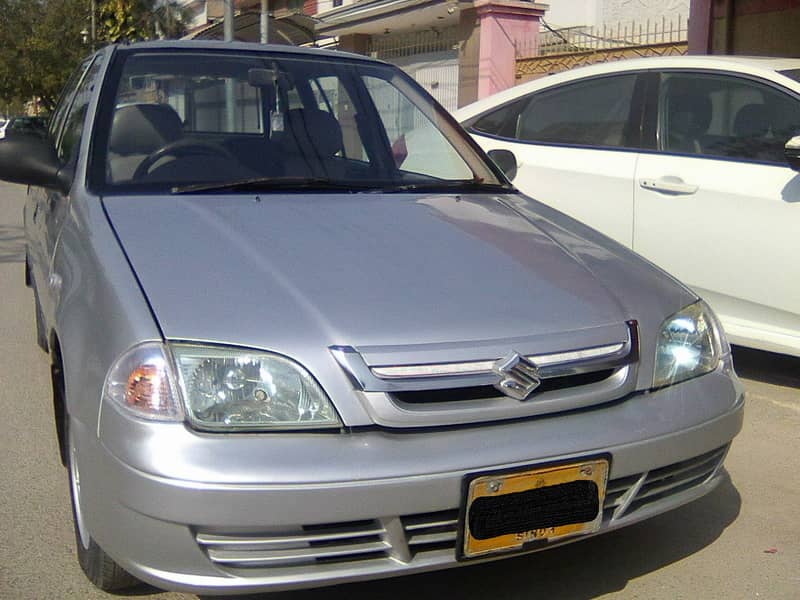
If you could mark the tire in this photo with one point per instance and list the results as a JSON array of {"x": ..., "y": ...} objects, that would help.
[{"x": 98, "y": 566}]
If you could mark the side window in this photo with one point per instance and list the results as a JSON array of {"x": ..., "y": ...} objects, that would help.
[
  {"x": 726, "y": 116},
  {"x": 69, "y": 141},
  {"x": 57, "y": 120},
  {"x": 502, "y": 122},
  {"x": 589, "y": 113}
]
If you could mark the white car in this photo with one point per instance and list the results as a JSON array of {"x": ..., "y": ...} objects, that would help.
[{"x": 690, "y": 161}]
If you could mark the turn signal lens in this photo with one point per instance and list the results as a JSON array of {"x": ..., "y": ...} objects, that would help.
[
  {"x": 148, "y": 389},
  {"x": 141, "y": 381}
]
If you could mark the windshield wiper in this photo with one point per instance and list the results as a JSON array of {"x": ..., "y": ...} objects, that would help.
[
  {"x": 452, "y": 185},
  {"x": 278, "y": 183}
]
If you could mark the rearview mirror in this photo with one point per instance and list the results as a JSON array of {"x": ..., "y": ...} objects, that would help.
[
  {"x": 792, "y": 152},
  {"x": 507, "y": 162},
  {"x": 30, "y": 159}
]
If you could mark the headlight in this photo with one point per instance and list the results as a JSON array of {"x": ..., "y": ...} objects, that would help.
[
  {"x": 690, "y": 343},
  {"x": 232, "y": 389}
]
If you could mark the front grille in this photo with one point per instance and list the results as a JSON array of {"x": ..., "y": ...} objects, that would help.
[
  {"x": 411, "y": 537},
  {"x": 676, "y": 478},
  {"x": 341, "y": 542},
  {"x": 431, "y": 531},
  {"x": 485, "y": 392}
]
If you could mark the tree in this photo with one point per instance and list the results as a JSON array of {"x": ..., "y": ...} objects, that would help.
[
  {"x": 41, "y": 44},
  {"x": 42, "y": 41},
  {"x": 140, "y": 20}
]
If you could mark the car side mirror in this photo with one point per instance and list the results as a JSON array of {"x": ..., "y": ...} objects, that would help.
[
  {"x": 506, "y": 160},
  {"x": 792, "y": 152},
  {"x": 30, "y": 159}
]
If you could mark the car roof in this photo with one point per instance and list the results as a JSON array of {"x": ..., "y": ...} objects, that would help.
[
  {"x": 764, "y": 67},
  {"x": 219, "y": 45}
]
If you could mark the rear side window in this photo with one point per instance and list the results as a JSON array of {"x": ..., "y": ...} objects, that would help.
[
  {"x": 503, "y": 121},
  {"x": 725, "y": 116},
  {"x": 589, "y": 113}
]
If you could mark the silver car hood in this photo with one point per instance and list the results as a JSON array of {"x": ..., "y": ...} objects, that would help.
[{"x": 392, "y": 274}]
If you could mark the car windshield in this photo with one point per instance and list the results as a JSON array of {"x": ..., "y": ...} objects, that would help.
[{"x": 188, "y": 122}]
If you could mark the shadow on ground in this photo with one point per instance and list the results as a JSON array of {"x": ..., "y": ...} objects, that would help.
[
  {"x": 577, "y": 571},
  {"x": 767, "y": 367},
  {"x": 12, "y": 244}
]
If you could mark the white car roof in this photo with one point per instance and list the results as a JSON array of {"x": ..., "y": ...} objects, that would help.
[{"x": 764, "y": 67}]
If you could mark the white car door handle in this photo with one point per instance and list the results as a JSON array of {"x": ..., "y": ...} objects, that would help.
[{"x": 668, "y": 185}]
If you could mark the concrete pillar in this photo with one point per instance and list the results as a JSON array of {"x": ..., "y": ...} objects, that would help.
[
  {"x": 357, "y": 43},
  {"x": 700, "y": 27},
  {"x": 504, "y": 25}
]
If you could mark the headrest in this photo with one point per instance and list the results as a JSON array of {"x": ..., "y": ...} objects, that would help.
[
  {"x": 144, "y": 128},
  {"x": 752, "y": 120},
  {"x": 318, "y": 129},
  {"x": 689, "y": 111}
]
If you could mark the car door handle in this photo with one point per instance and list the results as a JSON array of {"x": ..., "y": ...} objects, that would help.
[{"x": 669, "y": 185}]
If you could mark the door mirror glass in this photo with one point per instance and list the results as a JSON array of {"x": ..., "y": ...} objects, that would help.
[
  {"x": 792, "y": 152},
  {"x": 507, "y": 162}
]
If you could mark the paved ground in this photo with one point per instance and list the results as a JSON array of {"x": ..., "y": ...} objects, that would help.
[{"x": 742, "y": 541}]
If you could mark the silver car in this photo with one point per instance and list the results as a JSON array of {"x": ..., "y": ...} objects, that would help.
[{"x": 303, "y": 332}]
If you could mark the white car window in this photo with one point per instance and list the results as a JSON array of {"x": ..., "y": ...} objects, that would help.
[
  {"x": 590, "y": 113},
  {"x": 725, "y": 116}
]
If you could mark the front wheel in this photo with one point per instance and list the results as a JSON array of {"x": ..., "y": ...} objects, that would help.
[{"x": 98, "y": 566}]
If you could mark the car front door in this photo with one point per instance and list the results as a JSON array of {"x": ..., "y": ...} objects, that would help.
[
  {"x": 46, "y": 208},
  {"x": 718, "y": 207},
  {"x": 576, "y": 147}
]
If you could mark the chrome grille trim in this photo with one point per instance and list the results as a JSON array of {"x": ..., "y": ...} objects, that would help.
[
  {"x": 339, "y": 543},
  {"x": 431, "y": 531},
  {"x": 666, "y": 481},
  {"x": 457, "y": 366},
  {"x": 485, "y": 366}
]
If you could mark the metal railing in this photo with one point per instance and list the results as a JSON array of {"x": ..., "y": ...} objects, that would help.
[
  {"x": 391, "y": 46},
  {"x": 604, "y": 37}
]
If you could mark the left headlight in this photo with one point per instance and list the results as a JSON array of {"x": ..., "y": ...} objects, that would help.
[
  {"x": 233, "y": 389},
  {"x": 690, "y": 343}
]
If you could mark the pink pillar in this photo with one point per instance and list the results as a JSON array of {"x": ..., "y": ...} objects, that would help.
[{"x": 504, "y": 25}]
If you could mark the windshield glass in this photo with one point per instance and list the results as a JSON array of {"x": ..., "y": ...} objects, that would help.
[{"x": 192, "y": 120}]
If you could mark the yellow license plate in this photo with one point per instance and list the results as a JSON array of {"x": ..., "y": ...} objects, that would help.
[{"x": 505, "y": 511}]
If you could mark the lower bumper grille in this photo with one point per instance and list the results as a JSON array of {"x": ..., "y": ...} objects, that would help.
[{"x": 411, "y": 536}]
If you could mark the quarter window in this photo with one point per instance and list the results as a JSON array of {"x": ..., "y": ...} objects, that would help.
[
  {"x": 502, "y": 122},
  {"x": 725, "y": 116}
]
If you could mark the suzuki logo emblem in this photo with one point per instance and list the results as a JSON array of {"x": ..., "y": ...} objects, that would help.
[{"x": 518, "y": 376}]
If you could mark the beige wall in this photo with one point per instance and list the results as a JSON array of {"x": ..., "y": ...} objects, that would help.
[{"x": 761, "y": 34}]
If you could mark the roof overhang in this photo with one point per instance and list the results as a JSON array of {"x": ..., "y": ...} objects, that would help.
[
  {"x": 293, "y": 30},
  {"x": 382, "y": 16}
]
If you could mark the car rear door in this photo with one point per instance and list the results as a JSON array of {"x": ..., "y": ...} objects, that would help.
[
  {"x": 576, "y": 146},
  {"x": 719, "y": 208}
]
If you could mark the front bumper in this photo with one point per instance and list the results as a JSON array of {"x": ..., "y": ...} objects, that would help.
[{"x": 226, "y": 514}]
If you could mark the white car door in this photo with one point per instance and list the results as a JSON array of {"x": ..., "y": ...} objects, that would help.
[
  {"x": 720, "y": 209},
  {"x": 576, "y": 148}
]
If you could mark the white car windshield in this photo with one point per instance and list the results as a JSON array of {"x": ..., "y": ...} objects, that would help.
[{"x": 201, "y": 120}]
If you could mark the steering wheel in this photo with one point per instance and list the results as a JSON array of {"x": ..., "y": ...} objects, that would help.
[{"x": 179, "y": 148}]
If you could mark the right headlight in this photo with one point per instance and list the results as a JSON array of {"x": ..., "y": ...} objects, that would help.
[
  {"x": 234, "y": 389},
  {"x": 690, "y": 343},
  {"x": 223, "y": 389}
]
